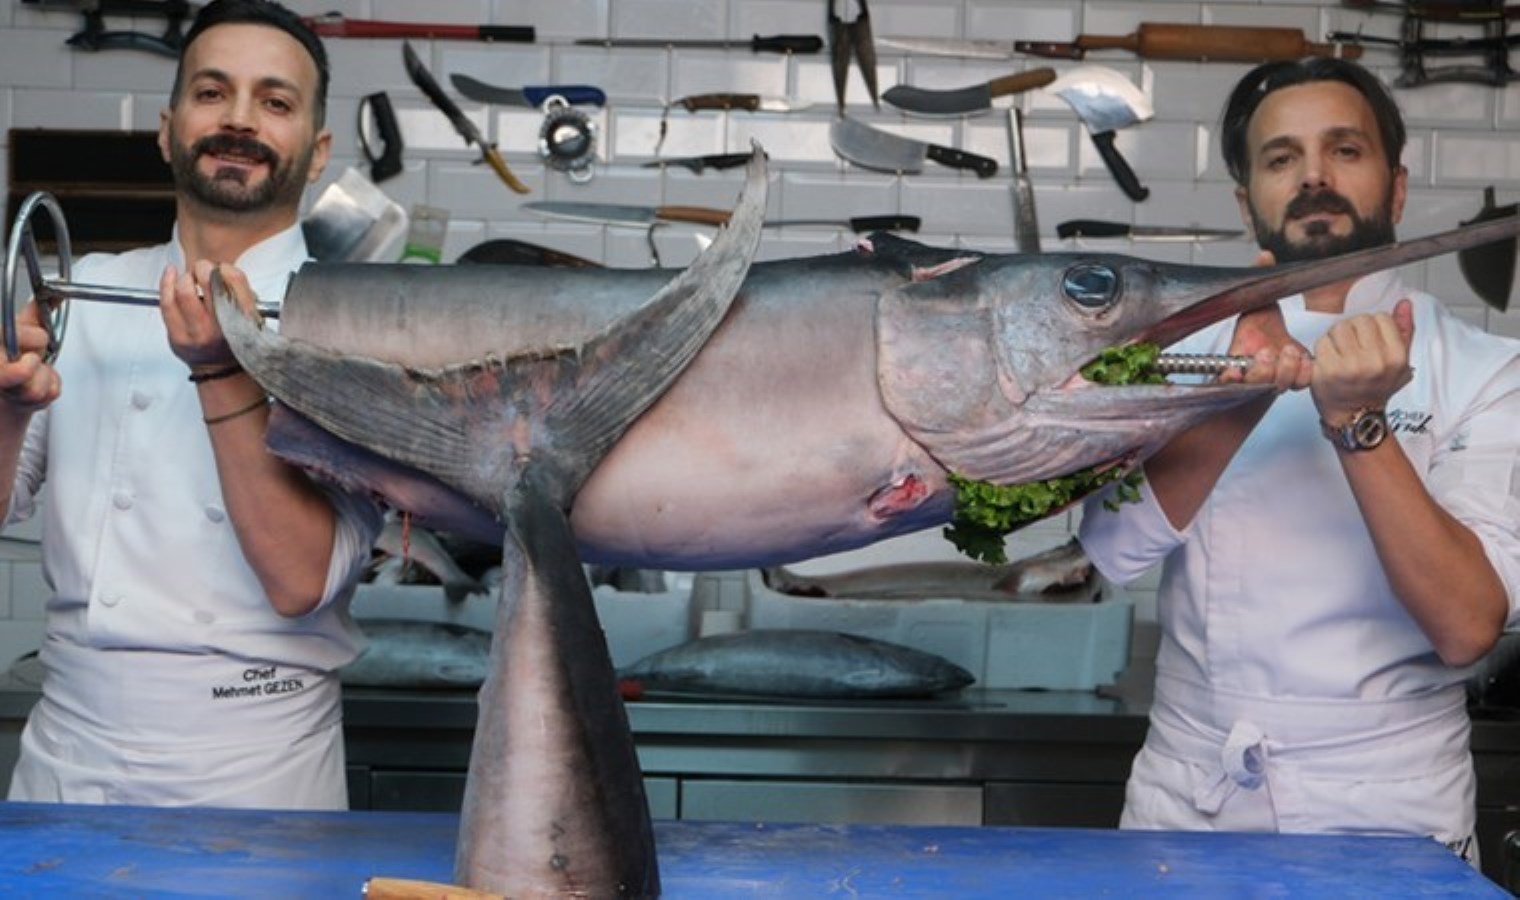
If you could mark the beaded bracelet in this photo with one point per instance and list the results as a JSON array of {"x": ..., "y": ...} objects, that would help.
[
  {"x": 224, "y": 417},
  {"x": 214, "y": 374}
]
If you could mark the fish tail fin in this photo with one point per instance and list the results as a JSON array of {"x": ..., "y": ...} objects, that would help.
[
  {"x": 554, "y": 803},
  {"x": 476, "y": 425}
]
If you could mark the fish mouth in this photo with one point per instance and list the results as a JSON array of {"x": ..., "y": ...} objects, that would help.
[{"x": 1198, "y": 297}]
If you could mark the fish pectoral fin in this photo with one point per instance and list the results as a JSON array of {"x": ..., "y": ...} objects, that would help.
[{"x": 419, "y": 419}]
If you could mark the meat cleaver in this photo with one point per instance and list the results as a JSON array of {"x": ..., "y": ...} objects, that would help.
[
  {"x": 965, "y": 101},
  {"x": 353, "y": 221},
  {"x": 1106, "y": 101},
  {"x": 872, "y": 149},
  {"x": 1490, "y": 268}
]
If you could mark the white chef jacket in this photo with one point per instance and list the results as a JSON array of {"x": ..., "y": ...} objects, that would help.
[
  {"x": 170, "y": 680},
  {"x": 1294, "y": 693}
]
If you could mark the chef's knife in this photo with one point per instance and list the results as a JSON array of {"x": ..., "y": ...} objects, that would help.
[
  {"x": 1093, "y": 228},
  {"x": 965, "y": 101},
  {"x": 745, "y": 102},
  {"x": 423, "y": 79},
  {"x": 531, "y": 96},
  {"x": 872, "y": 149},
  {"x": 624, "y": 214},
  {"x": 776, "y": 43},
  {"x": 964, "y": 49},
  {"x": 699, "y": 164}
]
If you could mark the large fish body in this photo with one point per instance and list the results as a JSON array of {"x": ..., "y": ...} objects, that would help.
[
  {"x": 774, "y": 443},
  {"x": 737, "y": 416}
]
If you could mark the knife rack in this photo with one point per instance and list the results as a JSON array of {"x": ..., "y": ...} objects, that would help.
[{"x": 114, "y": 186}]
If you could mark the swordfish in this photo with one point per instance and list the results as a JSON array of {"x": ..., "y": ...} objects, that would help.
[{"x": 745, "y": 414}]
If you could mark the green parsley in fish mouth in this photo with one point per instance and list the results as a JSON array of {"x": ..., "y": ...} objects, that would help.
[
  {"x": 1129, "y": 364},
  {"x": 986, "y": 513}
]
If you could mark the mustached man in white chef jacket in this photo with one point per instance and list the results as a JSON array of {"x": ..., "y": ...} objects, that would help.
[
  {"x": 1334, "y": 559},
  {"x": 199, "y": 584}
]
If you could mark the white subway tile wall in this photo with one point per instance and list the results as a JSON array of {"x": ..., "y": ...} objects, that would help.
[{"x": 1461, "y": 136}]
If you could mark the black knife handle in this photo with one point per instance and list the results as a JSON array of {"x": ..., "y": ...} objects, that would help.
[
  {"x": 960, "y": 159},
  {"x": 517, "y": 34},
  {"x": 787, "y": 43},
  {"x": 388, "y": 163},
  {"x": 1050, "y": 49},
  {"x": 1091, "y": 228},
  {"x": 1128, "y": 183},
  {"x": 862, "y": 224}
]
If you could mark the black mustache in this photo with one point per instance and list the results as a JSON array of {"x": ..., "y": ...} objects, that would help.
[
  {"x": 1319, "y": 202},
  {"x": 234, "y": 145}
]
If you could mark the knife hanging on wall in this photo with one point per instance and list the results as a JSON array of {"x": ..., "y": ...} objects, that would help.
[
  {"x": 424, "y": 81},
  {"x": 871, "y": 148},
  {"x": 627, "y": 214},
  {"x": 967, "y": 101}
]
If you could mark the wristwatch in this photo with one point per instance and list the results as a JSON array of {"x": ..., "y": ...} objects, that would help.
[{"x": 1366, "y": 429}]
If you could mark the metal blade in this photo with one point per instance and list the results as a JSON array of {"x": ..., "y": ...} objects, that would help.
[
  {"x": 487, "y": 93},
  {"x": 1490, "y": 268},
  {"x": 600, "y": 213},
  {"x": 1104, "y": 99},
  {"x": 533, "y": 96},
  {"x": 977, "y": 98},
  {"x": 425, "y": 82},
  {"x": 949, "y": 47},
  {"x": 872, "y": 149}
]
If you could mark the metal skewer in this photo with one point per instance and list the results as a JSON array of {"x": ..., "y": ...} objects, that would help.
[
  {"x": 1199, "y": 363},
  {"x": 53, "y": 296}
]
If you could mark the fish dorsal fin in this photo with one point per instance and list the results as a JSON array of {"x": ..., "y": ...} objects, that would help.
[{"x": 475, "y": 425}]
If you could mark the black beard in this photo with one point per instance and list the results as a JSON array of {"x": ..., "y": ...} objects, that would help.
[
  {"x": 227, "y": 188},
  {"x": 1319, "y": 243}
]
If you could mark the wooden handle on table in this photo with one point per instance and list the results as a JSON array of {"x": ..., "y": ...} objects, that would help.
[
  {"x": 1220, "y": 43},
  {"x": 408, "y": 889}
]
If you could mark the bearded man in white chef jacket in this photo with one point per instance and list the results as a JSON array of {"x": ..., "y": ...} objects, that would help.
[
  {"x": 1334, "y": 559},
  {"x": 199, "y": 584}
]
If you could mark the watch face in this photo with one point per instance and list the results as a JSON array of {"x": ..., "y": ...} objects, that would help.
[{"x": 1369, "y": 429}]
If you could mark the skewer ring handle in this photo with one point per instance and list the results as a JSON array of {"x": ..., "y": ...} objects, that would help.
[{"x": 22, "y": 247}]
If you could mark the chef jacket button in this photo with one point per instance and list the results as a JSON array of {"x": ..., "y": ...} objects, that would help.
[
  {"x": 122, "y": 500},
  {"x": 215, "y": 514},
  {"x": 141, "y": 400},
  {"x": 203, "y": 617},
  {"x": 109, "y": 599}
]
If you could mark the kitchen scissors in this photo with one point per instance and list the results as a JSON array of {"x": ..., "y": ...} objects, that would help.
[{"x": 853, "y": 38}]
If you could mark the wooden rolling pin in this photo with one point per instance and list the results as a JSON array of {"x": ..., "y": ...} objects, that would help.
[
  {"x": 407, "y": 889},
  {"x": 1202, "y": 43}
]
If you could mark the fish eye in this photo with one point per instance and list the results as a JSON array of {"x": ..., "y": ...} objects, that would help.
[{"x": 1091, "y": 286}]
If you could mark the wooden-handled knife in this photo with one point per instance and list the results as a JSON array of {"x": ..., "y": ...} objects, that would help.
[{"x": 965, "y": 101}]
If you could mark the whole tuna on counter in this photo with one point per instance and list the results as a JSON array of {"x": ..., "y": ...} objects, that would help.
[
  {"x": 785, "y": 663},
  {"x": 734, "y": 417}
]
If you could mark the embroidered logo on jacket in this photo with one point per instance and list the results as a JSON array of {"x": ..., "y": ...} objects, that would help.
[
  {"x": 1407, "y": 421},
  {"x": 259, "y": 681}
]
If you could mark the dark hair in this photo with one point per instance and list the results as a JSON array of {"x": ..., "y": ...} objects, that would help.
[
  {"x": 259, "y": 12},
  {"x": 1272, "y": 76}
]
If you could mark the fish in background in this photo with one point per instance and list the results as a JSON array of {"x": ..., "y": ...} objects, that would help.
[
  {"x": 728, "y": 416},
  {"x": 1061, "y": 574}
]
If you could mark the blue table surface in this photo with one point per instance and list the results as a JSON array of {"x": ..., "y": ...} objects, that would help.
[{"x": 113, "y": 851}]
